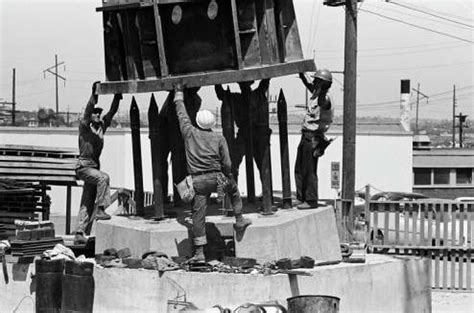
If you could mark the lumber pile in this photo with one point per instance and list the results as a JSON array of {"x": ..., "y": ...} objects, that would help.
[{"x": 33, "y": 238}]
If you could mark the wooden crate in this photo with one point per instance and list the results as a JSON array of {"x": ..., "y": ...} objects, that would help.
[{"x": 147, "y": 50}]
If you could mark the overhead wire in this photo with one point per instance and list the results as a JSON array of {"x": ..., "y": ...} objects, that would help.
[
  {"x": 430, "y": 14},
  {"x": 417, "y": 26}
]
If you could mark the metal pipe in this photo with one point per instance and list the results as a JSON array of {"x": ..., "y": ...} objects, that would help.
[
  {"x": 284, "y": 154},
  {"x": 137, "y": 156},
  {"x": 153, "y": 126}
]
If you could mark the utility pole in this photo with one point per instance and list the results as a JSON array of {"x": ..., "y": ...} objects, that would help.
[
  {"x": 454, "y": 116},
  {"x": 13, "y": 97},
  {"x": 418, "y": 105},
  {"x": 462, "y": 120},
  {"x": 56, "y": 75}
]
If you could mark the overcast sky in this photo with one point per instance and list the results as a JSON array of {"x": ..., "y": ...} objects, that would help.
[{"x": 32, "y": 32}]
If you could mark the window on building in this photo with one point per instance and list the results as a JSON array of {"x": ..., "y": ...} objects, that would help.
[
  {"x": 464, "y": 176},
  {"x": 422, "y": 176},
  {"x": 441, "y": 176}
]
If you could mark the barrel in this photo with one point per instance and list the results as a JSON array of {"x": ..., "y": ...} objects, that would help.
[
  {"x": 78, "y": 287},
  {"x": 313, "y": 304},
  {"x": 48, "y": 285}
]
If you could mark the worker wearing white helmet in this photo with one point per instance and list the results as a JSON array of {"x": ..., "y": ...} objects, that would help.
[
  {"x": 317, "y": 120},
  {"x": 208, "y": 163}
]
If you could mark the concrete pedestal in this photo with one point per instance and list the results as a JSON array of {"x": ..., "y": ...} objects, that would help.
[
  {"x": 287, "y": 234},
  {"x": 382, "y": 284}
]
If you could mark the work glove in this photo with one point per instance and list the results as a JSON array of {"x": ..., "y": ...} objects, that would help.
[{"x": 178, "y": 92}]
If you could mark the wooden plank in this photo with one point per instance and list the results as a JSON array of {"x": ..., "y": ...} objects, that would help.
[
  {"x": 437, "y": 268},
  {"x": 266, "y": 31},
  {"x": 470, "y": 229},
  {"x": 238, "y": 45},
  {"x": 386, "y": 215},
  {"x": 412, "y": 207},
  {"x": 445, "y": 269},
  {"x": 376, "y": 221},
  {"x": 406, "y": 220},
  {"x": 38, "y": 148},
  {"x": 468, "y": 271},
  {"x": 430, "y": 224},
  {"x": 68, "y": 180},
  {"x": 289, "y": 36},
  {"x": 423, "y": 214},
  {"x": 248, "y": 33},
  {"x": 453, "y": 253},
  {"x": 35, "y": 171},
  {"x": 438, "y": 211},
  {"x": 206, "y": 79},
  {"x": 17, "y": 158},
  {"x": 39, "y": 165},
  {"x": 397, "y": 224},
  {"x": 19, "y": 215},
  {"x": 68, "y": 210},
  {"x": 446, "y": 215},
  {"x": 113, "y": 47},
  {"x": 148, "y": 43},
  {"x": 161, "y": 44}
]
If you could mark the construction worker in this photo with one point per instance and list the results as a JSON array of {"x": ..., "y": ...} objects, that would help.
[
  {"x": 91, "y": 141},
  {"x": 318, "y": 118},
  {"x": 208, "y": 162},
  {"x": 255, "y": 109},
  {"x": 171, "y": 140}
]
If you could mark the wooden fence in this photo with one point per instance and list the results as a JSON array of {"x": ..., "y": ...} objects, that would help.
[{"x": 442, "y": 231}]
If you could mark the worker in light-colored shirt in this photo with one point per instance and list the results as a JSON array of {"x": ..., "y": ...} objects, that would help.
[{"x": 317, "y": 120}]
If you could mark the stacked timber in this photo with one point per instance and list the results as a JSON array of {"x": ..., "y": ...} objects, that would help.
[
  {"x": 38, "y": 164},
  {"x": 26, "y": 173},
  {"x": 33, "y": 238}
]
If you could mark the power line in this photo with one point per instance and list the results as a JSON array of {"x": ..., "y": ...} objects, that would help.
[
  {"x": 430, "y": 14},
  {"x": 416, "y": 67},
  {"x": 417, "y": 26}
]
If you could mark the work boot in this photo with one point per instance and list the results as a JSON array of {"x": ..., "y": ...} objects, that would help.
[
  {"x": 79, "y": 239},
  {"x": 308, "y": 205},
  {"x": 198, "y": 256},
  {"x": 101, "y": 215},
  {"x": 241, "y": 223}
]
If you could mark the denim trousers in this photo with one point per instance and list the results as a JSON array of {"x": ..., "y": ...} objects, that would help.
[
  {"x": 306, "y": 171},
  {"x": 96, "y": 183},
  {"x": 203, "y": 186}
]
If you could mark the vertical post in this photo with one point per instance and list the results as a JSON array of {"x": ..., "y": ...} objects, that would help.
[
  {"x": 137, "y": 156},
  {"x": 349, "y": 120},
  {"x": 262, "y": 132},
  {"x": 284, "y": 154},
  {"x": 68, "y": 209},
  {"x": 13, "y": 97},
  {"x": 249, "y": 151},
  {"x": 153, "y": 126},
  {"x": 417, "y": 105},
  {"x": 405, "y": 104},
  {"x": 56, "y": 77},
  {"x": 367, "y": 212},
  {"x": 454, "y": 116},
  {"x": 227, "y": 122}
]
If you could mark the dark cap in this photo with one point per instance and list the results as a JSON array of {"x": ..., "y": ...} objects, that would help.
[{"x": 97, "y": 110}]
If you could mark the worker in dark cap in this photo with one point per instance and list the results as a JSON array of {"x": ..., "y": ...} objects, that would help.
[
  {"x": 318, "y": 117},
  {"x": 96, "y": 182}
]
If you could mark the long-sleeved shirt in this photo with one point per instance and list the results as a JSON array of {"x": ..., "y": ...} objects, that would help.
[
  {"x": 205, "y": 150},
  {"x": 91, "y": 140}
]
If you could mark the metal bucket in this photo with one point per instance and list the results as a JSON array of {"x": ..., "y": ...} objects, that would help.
[
  {"x": 78, "y": 288},
  {"x": 313, "y": 304},
  {"x": 48, "y": 285}
]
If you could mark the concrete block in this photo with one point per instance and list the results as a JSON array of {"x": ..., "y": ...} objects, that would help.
[{"x": 287, "y": 234}]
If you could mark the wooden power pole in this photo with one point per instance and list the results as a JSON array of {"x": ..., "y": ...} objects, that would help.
[
  {"x": 56, "y": 75},
  {"x": 13, "y": 97}
]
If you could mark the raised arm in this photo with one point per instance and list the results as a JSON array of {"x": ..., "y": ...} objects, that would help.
[
  {"x": 184, "y": 121},
  {"x": 263, "y": 85},
  {"x": 220, "y": 92},
  {"x": 305, "y": 81},
  {"x": 86, "y": 117},
  {"x": 113, "y": 110},
  {"x": 225, "y": 157}
]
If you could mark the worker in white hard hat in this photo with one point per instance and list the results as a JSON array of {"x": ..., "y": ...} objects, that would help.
[
  {"x": 209, "y": 164},
  {"x": 317, "y": 120}
]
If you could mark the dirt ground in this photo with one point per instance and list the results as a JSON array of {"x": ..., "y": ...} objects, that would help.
[{"x": 452, "y": 302}]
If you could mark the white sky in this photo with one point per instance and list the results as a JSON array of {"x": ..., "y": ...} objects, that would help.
[{"x": 32, "y": 32}]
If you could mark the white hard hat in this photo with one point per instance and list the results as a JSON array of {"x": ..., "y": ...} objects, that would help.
[{"x": 205, "y": 119}]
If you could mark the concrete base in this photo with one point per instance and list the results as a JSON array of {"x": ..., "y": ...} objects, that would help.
[
  {"x": 383, "y": 284},
  {"x": 287, "y": 234}
]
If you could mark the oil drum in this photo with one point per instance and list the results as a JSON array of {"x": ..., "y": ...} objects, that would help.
[
  {"x": 313, "y": 304},
  {"x": 48, "y": 285},
  {"x": 78, "y": 287}
]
